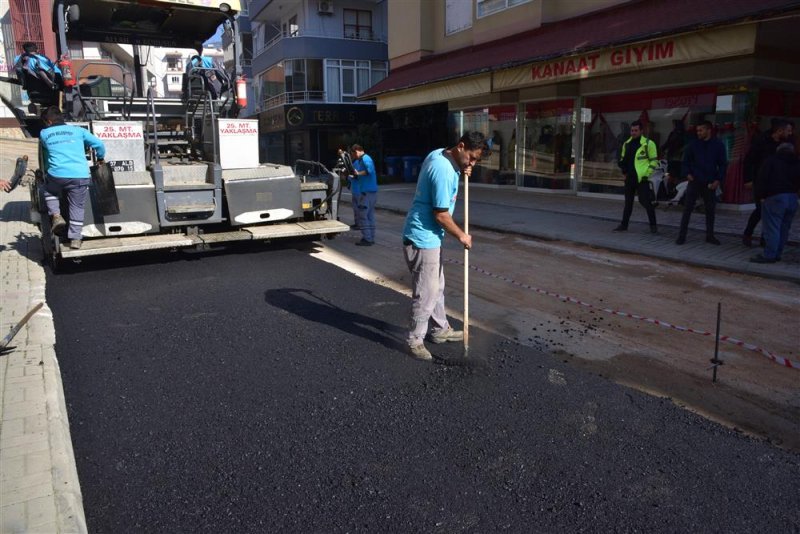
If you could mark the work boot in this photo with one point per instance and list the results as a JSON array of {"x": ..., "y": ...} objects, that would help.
[
  {"x": 713, "y": 240},
  {"x": 443, "y": 336},
  {"x": 420, "y": 352},
  {"x": 653, "y": 229},
  {"x": 57, "y": 223},
  {"x": 620, "y": 228},
  {"x": 75, "y": 244}
]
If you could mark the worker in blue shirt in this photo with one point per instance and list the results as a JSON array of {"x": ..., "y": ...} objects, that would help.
[
  {"x": 63, "y": 153},
  {"x": 214, "y": 78},
  {"x": 367, "y": 188},
  {"x": 430, "y": 216},
  {"x": 32, "y": 63}
]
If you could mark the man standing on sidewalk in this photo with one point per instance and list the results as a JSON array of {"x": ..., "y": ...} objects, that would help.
[
  {"x": 777, "y": 185},
  {"x": 638, "y": 159},
  {"x": 764, "y": 145},
  {"x": 430, "y": 216},
  {"x": 704, "y": 163},
  {"x": 367, "y": 195},
  {"x": 63, "y": 148}
]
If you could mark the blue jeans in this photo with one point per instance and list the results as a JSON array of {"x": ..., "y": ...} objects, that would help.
[
  {"x": 366, "y": 215},
  {"x": 777, "y": 213}
]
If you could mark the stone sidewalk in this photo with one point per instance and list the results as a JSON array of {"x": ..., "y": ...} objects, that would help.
[
  {"x": 39, "y": 489},
  {"x": 589, "y": 221}
]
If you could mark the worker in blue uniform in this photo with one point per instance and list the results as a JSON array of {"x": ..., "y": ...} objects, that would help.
[
  {"x": 367, "y": 184},
  {"x": 66, "y": 170}
]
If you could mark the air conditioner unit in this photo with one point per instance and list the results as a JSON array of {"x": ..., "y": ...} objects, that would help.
[{"x": 325, "y": 7}]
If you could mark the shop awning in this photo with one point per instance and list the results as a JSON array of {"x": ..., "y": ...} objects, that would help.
[{"x": 627, "y": 23}]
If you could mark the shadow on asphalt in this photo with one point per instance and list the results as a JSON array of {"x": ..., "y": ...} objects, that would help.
[{"x": 306, "y": 304}]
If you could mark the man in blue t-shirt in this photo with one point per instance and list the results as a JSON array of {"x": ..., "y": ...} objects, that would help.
[
  {"x": 366, "y": 182},
  {"x": 63, "y": 150},
  {"x": 430, "y": 216}
]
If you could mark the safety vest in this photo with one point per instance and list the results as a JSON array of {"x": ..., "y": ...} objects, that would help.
[{"x": 645, "y": 160}]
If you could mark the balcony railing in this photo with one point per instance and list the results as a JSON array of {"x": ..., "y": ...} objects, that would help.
[
  {"x": 349, "y": 35},
  {"x": 301, "y": 97}
]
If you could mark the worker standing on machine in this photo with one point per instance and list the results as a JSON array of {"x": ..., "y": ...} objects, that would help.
[{"x": 63, "y": 149}]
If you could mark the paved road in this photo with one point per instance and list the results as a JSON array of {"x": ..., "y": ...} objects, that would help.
[{"x": 264, "y": 390}]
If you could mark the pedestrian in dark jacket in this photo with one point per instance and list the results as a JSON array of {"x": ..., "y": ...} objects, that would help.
[
  {"x": 763, "y": 146},
  {"x": 777, "y": 184},
  {"x": 704, "y": 163}
]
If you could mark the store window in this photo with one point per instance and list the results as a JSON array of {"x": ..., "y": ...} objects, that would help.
[
  {"x": 740, "y": 117},
  {"x": 669, "y": 118},
  {"x": 546, "y": 157},
  {"x": 498, "y": 124},
  {"x": 357, "y": 24}
]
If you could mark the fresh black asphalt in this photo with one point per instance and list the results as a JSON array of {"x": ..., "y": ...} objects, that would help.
[{"x": 263, "y": 390}]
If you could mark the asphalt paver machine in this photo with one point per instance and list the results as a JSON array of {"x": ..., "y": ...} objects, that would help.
[{"x": 186, "y": 171}]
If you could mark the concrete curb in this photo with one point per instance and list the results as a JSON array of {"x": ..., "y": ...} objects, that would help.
[{"x": 70, "y": 516}]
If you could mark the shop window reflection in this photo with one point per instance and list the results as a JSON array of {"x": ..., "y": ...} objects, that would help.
[{"x": 546, "y": 157}]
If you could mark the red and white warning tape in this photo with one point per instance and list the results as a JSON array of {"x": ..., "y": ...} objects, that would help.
[{"x": 786, "y": 362}]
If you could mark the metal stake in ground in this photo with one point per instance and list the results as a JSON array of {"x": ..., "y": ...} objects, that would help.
[
  {"x": 466, "y": 265},
  {"x": 715, "y": 361}
]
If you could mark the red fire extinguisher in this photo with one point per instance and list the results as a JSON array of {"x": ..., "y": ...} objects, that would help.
[
  {"x": 66, "y": 71},
  {"x": 241, "y": 92}
]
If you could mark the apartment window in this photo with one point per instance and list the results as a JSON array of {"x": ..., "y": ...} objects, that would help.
[
  {"x": 174, "y": 79},
  {"x": 357, "y": 24},
  {"x": 457, "y": 15},
  {"x": 488, "y": 7},
  {"x": 304, "y": 78},
  {"x": 174, "y": 62},
  {"x": 75, "y": 49},
  {"x": 291, "y": 29},
  {"x": 346, "y": 79}
]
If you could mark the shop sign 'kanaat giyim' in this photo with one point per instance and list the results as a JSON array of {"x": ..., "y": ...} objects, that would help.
[{"x": 699, "y": 46}]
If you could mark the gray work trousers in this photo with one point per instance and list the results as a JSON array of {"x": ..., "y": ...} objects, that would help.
[
  {"x": 427, "y": 292},
  {"x": 77, "y": 190}
]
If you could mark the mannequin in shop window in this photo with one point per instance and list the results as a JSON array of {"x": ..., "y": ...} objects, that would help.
[
  {"x": 562, "y": 149},
  {"x": 511, "y": 150},
  {"x": 624, "y": 135}
]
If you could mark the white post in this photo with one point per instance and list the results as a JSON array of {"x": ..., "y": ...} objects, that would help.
[{"x": 466, "y": 265}]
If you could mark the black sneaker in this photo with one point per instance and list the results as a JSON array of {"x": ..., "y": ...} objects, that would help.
[
  {"x": 681, "y": 240},
  {"x": 653, "y": 229},
  {"x": 713, "y": 240},
  {"x": 620, "y": 228},
  {"x": 364, "y": 243},
  {"x": 761, "y": 259}
]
